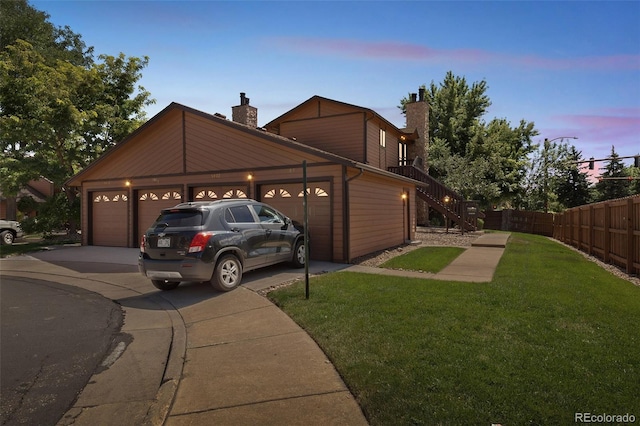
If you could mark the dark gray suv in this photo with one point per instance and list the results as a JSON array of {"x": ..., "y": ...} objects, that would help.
[{"x": 217, "y": 241}]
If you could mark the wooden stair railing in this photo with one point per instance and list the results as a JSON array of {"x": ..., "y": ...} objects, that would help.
[{"x": 435, "y": 192}]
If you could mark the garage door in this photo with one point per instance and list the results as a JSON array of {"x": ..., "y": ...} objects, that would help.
[
  {"x": 288, "y": 198},
  {"x": 150, "y": 202},
  {"x": 212, "y": 193},
  {"x": 109, "y": 218}
]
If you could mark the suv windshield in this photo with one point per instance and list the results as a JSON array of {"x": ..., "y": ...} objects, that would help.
[{"x": 180, "y": 218}]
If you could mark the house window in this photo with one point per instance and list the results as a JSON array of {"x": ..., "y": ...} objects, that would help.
[
  {"x": 402, "y": 154},
  {"x": 383, "y": 138}
]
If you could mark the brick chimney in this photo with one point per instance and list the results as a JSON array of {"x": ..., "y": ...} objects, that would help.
[
  {"x": 245, "y": 113},
  {"x": 417, "y": 115}
]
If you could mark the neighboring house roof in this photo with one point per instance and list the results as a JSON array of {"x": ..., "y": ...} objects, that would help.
[
  {"x": 30, "y": 191},
  {"x": 76, "y": 180}
]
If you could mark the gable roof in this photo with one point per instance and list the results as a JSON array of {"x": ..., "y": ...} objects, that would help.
[
  {"x": 273, "y": 123},
  {"x": 261, "y": 132}
]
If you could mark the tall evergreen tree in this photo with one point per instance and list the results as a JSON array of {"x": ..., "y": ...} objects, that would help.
[
  {"x": 571, "y": 186},
  {"x": 608, "y": 188}
]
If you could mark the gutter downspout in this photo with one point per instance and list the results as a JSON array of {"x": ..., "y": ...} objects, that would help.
[{"x": 346, "y": 246}]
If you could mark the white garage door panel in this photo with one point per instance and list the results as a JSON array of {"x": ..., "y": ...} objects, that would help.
[
  {"x": 288, "y": 198},
  {"x": 150, "y": 202},
  {"x": 109, "y": 218}
]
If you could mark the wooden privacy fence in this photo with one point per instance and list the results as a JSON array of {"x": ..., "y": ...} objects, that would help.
[
  {"x": 520, "y": 221},
  {"x": 609, "y": 230}
]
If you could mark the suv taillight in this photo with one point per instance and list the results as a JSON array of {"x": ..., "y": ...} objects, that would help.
[
  {"x": 143, "y": 243},
  {"x": 199, "y": 242}
]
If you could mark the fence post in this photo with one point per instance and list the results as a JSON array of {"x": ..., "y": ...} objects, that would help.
[
  {"x": 592, "y": 232},
  {"x": 571, "y": 228},
  {"x": 630, "y": 255},
  {"x": 579, "y": 242},
  {"x": 607, "y": 235}
]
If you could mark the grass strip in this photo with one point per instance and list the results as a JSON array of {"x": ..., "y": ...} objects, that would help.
[
  {"x": 553, "y": 334},
  {"x": 22, "y": 248},
  {"x": 427, "y": 259}
]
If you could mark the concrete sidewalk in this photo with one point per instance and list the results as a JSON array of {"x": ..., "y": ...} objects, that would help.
[
  {"x": 201, "y": 357},
  {"x": 477, "y": 263}
]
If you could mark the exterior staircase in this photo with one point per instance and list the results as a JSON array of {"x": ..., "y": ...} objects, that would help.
[{"x": 449, "y": 203}]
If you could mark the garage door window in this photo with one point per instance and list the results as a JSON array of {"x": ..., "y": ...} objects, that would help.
[
  {"x": 319, "y": 192},
  {"x": 283, "y": 193}
]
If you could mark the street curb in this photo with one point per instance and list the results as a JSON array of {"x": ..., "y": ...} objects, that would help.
[{"x": 160, "y": 408}]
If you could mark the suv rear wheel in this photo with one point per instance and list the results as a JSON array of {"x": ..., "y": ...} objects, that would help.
[
  {"x": 228, "y": 273},
  {"x": 164, "y": 284}
]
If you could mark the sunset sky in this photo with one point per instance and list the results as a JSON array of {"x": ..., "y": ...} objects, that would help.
[{"x": 571, "y": 67}]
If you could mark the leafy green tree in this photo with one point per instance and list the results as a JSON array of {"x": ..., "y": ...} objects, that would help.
[
  {"x": 554, "y": 180},
  {"x": 19, "y": 21},
  {"x": 484, "y": 162},
  {"x": 60, "y": 110},
  {"x": 634, "y": 186},
  {"x": 612, "y": 186}
]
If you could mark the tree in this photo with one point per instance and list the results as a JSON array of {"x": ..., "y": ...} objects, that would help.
[
  {"x": 609, "y": 189},
  {"x": 485, "y": 162},
  {"x": 570, "y": 185},
  {"x": 554, "y": 181},
  {"x": 22, "y": 22},
  {"x": 60, "y": 110}
]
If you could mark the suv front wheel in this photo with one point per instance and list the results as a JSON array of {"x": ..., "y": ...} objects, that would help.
[
  {"x": 228, "y": 273},
  {"x": 298, "y": 255}
]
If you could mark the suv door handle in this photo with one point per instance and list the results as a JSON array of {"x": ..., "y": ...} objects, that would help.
[
  {"x": 235, "y": 229},
  {"x": 268, "y": 232}
]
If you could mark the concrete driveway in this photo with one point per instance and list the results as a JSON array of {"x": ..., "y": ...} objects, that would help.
[{"x": 197, "y": 356}]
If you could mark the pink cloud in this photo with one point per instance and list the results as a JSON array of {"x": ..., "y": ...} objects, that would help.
[
  {"x": 604, "y": 127},
  {"x": 358, "y": 49},
  {"x": 378, "y": 50}
]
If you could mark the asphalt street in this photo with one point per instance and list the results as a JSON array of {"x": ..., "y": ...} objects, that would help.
[{"x": 53, "y": 338}]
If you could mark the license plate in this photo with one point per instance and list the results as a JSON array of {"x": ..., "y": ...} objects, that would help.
[{"x": 164, "y": 242}]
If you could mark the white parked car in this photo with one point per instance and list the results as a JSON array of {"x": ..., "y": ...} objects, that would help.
[{"x": 9, "y": 231}]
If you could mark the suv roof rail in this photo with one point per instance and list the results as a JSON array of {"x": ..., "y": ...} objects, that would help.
[{"x": 212, "y": 203}]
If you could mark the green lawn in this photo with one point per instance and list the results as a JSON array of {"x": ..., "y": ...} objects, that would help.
[
  {"x": 553, "y": 334},
  {"x": 427, "y": 259}
]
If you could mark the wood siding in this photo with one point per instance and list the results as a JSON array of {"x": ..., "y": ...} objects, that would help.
[
  {"x": 155, "y": 151},
  {"x": 342, "y": 135},
  {"x": 213, "y": 146},
  {"x": 377, "y": 155},
  {"x": 378, "y": 216},
  {"x": 317, "y": 107}
]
